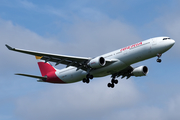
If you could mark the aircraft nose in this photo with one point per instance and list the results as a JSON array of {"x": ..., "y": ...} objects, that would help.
[
  {"x": 167, "y": 44},
  {"x": 172, "y": 42}
]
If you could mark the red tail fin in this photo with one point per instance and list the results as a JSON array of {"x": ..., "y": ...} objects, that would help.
[{"x": 45, "y": 68}]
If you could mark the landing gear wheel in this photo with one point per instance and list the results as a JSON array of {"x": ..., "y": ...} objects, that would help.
[
  {"x": 110, "y": 85},
  {"x": 86, "y": 80},
  {"x": 159, "y": 60},
  {"x": 91, "y": 76},
  {"x": 116, "y": 81},
  {"x": 113, "y": 81}
]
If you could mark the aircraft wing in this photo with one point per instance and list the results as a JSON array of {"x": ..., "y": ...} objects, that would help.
[
  {"x": 79, "y": 62},
  {"x": 131, "y": 71},
  {"x": 127, "y": 72}
]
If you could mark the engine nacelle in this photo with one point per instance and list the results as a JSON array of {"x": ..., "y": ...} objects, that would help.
[
  {"x": 97, "y": 62},
  {"x": 140, "y": 71}
]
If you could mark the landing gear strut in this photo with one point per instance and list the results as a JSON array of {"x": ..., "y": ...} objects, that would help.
[
  {"x": 86, "y": 80},
  {"x": 159, "y": 60},
  {"x": 113, "y": 82}
]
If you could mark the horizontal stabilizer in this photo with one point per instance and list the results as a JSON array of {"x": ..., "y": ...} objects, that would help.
[{"x": 32, "y": 76}]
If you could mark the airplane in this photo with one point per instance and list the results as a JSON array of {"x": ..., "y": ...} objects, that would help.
[{"x": 117, "y": 63}]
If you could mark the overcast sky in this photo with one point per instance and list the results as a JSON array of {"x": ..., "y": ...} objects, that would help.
[{"x": 88, "y": 28}]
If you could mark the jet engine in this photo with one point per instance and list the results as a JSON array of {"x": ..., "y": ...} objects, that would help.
[
  {"x": 140, "y": 71},
  {"x": 97, "y": 62}
]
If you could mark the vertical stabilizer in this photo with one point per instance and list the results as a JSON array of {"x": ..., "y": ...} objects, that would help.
[{"x": 44, "y": 67}]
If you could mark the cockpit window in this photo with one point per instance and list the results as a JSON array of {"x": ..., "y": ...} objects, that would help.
[{"x": 166, "y": 38}]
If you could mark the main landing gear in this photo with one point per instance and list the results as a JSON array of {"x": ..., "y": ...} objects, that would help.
[
  {"x": 113, "y": 82},
  {"x": 86, "y": 80},
  {"x": 159, "y": 60}
]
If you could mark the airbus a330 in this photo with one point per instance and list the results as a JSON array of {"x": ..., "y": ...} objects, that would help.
[{"x": 117, "y": 63}]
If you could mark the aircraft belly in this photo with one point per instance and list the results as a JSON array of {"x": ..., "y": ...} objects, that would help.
[
  {"x": 113, "y": 68},
  {"x": 71, "y": 75}
]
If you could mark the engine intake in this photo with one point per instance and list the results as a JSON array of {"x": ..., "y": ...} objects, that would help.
[
  {"x": 97, "y": 62},
  {"x": 140, "y": 71}
]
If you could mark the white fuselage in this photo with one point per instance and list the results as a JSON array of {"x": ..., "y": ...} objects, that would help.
[{"x": 123, "y": 57}]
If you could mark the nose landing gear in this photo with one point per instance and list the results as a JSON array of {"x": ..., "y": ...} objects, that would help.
[{"x": 159, "y": 60}]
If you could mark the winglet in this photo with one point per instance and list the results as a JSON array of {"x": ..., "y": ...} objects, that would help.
[
  {"x": 38, "y": 57},
  {"x": 9, "y": 47}
]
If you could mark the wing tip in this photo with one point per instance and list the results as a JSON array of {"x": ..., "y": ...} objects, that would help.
[{"x": 9, "y": 47}]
